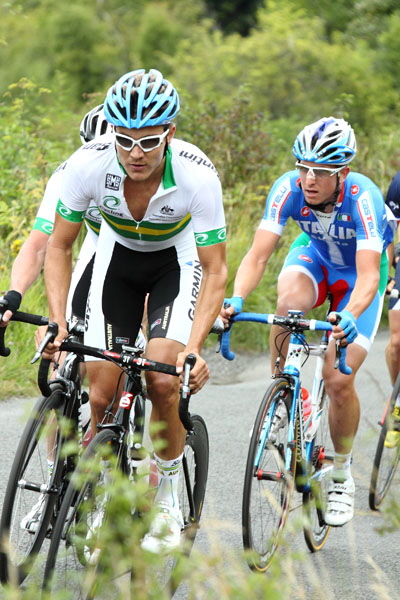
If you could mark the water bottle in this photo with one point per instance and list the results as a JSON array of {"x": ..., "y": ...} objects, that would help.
[{"x": 307, "y": 405}]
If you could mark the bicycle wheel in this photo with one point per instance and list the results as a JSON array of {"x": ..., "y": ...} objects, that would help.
[
  {"x": 75, "y": 560},
  {"x": 32, "y": 490},
  {"x": 385, "y": 460},
  {"x": 192, "y": 489},
  {"x": 268, "y": 484},
  {"x": 314, "y": 500}
]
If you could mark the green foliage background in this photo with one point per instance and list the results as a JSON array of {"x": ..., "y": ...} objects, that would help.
[{"x": 247, "y": 86}]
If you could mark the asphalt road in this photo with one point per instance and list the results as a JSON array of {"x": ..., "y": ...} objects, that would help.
[{"x": 356, "y": 562}]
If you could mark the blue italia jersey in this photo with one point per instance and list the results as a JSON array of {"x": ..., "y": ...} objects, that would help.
[{"x": 359, "y": 220}]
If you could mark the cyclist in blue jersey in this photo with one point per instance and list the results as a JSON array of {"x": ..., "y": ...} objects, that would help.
[
  {"x": 162, "y": 234},
  {"x": 392, "y": 351},
  {"x": 344, "y": 215}
]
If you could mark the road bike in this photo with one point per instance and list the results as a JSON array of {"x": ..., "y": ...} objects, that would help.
[
  {"x": 386, "y": 458},
  {"x": 76, "y": 559},
  {"x": 41, "y": 468},
  {"x": 287, "y": 449}
]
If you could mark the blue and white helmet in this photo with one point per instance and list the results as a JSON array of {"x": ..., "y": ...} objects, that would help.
[
  {"x": 93, "y": 124},
  {"x": 327, "y": 141},
  {"x": 141, "y": 99}
]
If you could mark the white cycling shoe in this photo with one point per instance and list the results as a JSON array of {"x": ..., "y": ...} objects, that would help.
[
  {"x": 32, "y": 520},
  {"x": 165, "y": 530},
  {"x": 340, "y": 509}
]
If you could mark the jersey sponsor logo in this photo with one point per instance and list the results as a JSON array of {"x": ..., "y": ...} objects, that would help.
[
  {"x": 367, "y": 216},
  {"x": 305, "y": 258},
  {"x": 93, "y": 213},
  {"x": 167, "y": 210},
  {"x": 277, "y": 200},
  {"x": 61, "y": 167},
  {"x": 354, "y": 190},
  {"x": 96, "y": 146},
  {"x": 111, "y": 202},
  {"x": 199, "y": 160},
  {"x": 113, "y": 182},
  {"x": 195, "y": 289},
  {"x": 122, "y": 340},
  {"x": 155, "y": 323},
  {"x": 209, "y": 238},
  {"x": 305, "y": 211}
]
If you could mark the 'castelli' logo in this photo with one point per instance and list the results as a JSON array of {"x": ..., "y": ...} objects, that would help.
[
  {"x": 305, "y": 211},
  {"x": 305, "y": 258},
  {"x": 354, "y": 190}
]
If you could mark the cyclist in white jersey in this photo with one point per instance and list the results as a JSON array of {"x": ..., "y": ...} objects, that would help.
[
  {"x": 162, "y": 234},
  {"x": 344, "y": 215}
]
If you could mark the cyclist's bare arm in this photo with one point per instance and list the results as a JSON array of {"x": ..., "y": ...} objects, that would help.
[
  {"x": 27, "y": 265},
  {"x": 210, "y": 298},
  {"x": 57, "y": 274},
  {"x": 252, "y": 267}
]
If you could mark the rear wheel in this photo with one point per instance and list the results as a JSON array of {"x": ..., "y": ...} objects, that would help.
[
  {"x": 32, "y": 490},
  {"x": 268, "y": 483},
  {"x": 314, "y": 500},
  {"x": 386, "y": 459}
]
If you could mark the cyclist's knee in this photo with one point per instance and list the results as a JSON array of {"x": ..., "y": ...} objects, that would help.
[
  {"x": 162, "y": 389},
  {"x": 295, "y": 291}
]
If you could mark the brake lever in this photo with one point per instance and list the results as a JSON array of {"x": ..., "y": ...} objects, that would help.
[{"x": 51, "y": 334}]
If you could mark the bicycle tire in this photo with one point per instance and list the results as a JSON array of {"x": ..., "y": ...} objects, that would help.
[
  {"x": 386, "y": 459},
  {"x": 315, "y": 529},
  {"x": 73, "y": 557},
  {"x": 268, "y": 485},
  {"x": 191, "y": 493},
  {"x": 19, "y": 547}
]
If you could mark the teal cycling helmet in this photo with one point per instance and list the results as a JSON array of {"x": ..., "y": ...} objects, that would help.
[
  {"x": 141, "y": 99},
  {"x": 327, "y": 141},
  {"x": 93, "y": 124}
]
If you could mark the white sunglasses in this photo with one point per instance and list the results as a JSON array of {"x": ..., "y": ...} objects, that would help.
[
  {"x": 317, "y": 173},
  {"x": 146, "y": 144}
]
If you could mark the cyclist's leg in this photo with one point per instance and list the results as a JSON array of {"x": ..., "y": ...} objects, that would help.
[
  {"x": 344, "y": 409},
  {"x": 103, "y": 379},
  {"x": 301, "y": 286}
]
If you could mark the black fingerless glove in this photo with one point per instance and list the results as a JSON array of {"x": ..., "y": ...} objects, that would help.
[{"x": 11, "y": 301}]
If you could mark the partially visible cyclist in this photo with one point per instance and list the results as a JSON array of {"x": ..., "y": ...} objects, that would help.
[
  {"x": 30, "y": 259},
  {"x": 392, "y": 351},
  {"x": 162, "y": 234},
  {"x": 344, "y": 215},
  {"x": 29, "y": 262}
]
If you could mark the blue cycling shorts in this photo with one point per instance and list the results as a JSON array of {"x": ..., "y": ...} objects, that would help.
[{"x": 339, "y": 283}]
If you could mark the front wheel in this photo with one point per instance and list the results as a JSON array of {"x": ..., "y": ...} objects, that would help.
[
  {"x": 386, "y": 458},
  {"x": 269, "y": 477},
  {"x": 75, "y": 556},
  {"x": 314, "y": 500},
  {"x": 32, "y": 490}
]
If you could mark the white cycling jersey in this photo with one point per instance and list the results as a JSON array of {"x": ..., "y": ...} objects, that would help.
[{"x": 188, "y": 200}]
